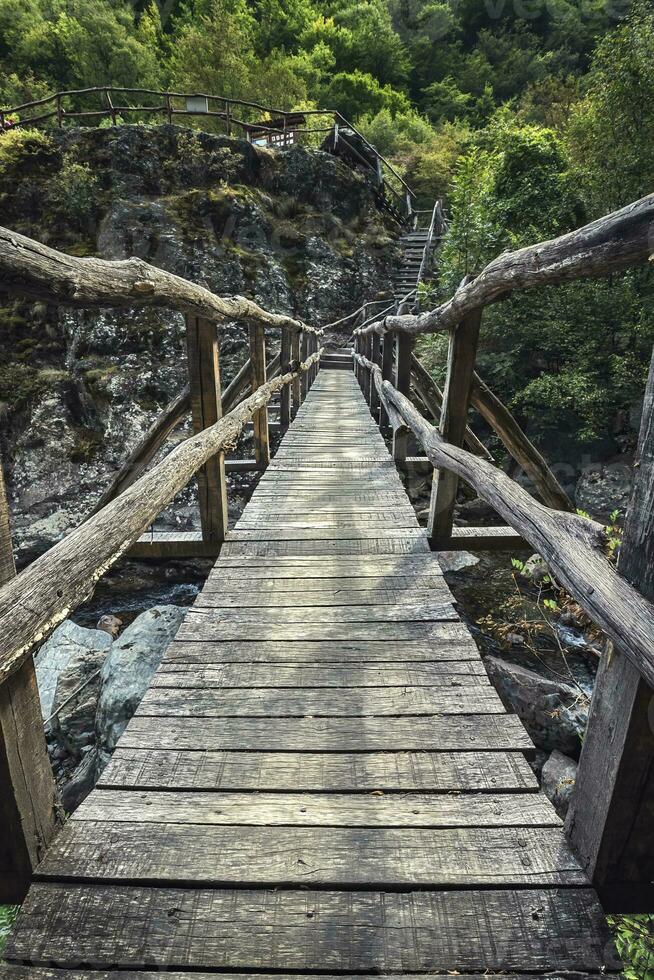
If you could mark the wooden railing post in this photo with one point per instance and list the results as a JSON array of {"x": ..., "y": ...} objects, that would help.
[
  {"x": 285, "y": 394},
  {"x": 461, "y": 355},
  {"x": 260, "y": 420},
  {"x": 295, "y": 355},
  {"x": 28, "y": 798},
  {"x": 387, "y": 370},
  {"x": 370, "y": 381},
  {"x": 304, "y": 352},
  {"x": 206, "y": 409},
  {"x": 375, "y": 357},
  {"x": 403, "y": 345},
  {"x": 609, "y": 822}
]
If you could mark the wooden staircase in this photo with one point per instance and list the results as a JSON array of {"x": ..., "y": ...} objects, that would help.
[{"x": 413, "y": 245}]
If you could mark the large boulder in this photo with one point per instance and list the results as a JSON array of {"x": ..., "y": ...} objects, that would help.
[
  {"x": 558, "y": 780},
  {"x": 70, "y": 646},
  {"x": 76, "y": 695},
  {"x": 551, "y": 711},
  {"x": 128, "y": 669}
]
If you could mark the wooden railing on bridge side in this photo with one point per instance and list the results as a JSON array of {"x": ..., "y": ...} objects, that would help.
[
  {"x": 609, "y": 822},
  {"x": 33, "y": 603},
  {"x": 258, "y": 124}
]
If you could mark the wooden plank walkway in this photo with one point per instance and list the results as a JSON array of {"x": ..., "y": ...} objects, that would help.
[{"x": 320, "y": 779}]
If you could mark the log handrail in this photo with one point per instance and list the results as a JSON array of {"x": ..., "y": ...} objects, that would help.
[
  {"x": 609, "y": 244},
  {"x": 31, "y": 269},
  {"x": 572, "y": 546},
  {"x": 44, "y": 594}
]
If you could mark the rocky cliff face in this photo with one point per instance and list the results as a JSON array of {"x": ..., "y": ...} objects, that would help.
[{"x": 295, "y": 230}]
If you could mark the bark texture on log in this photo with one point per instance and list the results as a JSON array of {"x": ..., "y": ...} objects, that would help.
[
  {"x": 30, "y": 269},
  {"x": 42, "y": 596},
  {"x": 607, "y": 245},
  {"x": 572, "y": 546}
]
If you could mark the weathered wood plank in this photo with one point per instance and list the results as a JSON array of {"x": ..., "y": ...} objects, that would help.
[
  {"x": 344, "y": 675},
  {"x": 173, "y": 853},
  {"x": 448, "y": 643},
  {"x": 436, "y": 733},
  {"x": 108, "y": 925},
  {"x": 283, "y": 524},
  {"x": 227, "y": 583},
  {"x": 202, "y": 627},
  {"x": 325, "y": 567},
  {"x": 347, "y": 546},
  {"x": 322, "y": 702},
  {"x": 437, "y": 772},
  {"x": 13, "y": 972},
  {"x": 208, "y": 609},
  {"x": 320, "y": 809}
]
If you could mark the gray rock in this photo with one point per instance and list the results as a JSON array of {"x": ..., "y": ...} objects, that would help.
[
  {"x": 69, "y": 643},
  {"x": 558, "y": 780},
  {"x": 110, "y": 624},
  {"x": 601, "y": 489},
  {"x": 551, "y": 711},
  {"x": 456, "y": 561},
  {"x": 76, "y": 694},
  {"x": 127, "y": 671},
  {"x": 81, "y": 782},
  {"x": 535, "y": 569}
]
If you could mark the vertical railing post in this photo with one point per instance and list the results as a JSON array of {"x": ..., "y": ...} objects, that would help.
[
  {"x": 206, "y": 409},
  {"x": 60, "y": 114},
  {"x": 304, "y": 347},
  {"x": 404, "y": 346},
  {"x": 285, "y": 394},
  {"x": 313, "y": 346},
  {"x": 609, "y": 823},
  {"x": 228, "y": 117},
  {"x": 169, "y": 109},
  {"x": 387, "y": 369},
  {"x": 461, "y": 356},
  {"x": 368, "y": 373},
  {"x": 260, "y": 420},
  {"x": 295, "y": 384},
  {"x": 375, "y": 357},
  {"x": 28, "y": 797}
]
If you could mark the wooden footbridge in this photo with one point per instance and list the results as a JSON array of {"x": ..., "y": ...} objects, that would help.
[
  {"x": 321, "y": 777},
  {"x": 320, "y": 780}
]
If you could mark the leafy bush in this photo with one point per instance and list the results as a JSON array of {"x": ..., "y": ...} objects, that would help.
[
  {"x": 634, "y": 938},
  {"x": 8, "y": 915}
]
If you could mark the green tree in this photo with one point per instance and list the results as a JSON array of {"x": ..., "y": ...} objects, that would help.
[{"x": 612, "y": 130}]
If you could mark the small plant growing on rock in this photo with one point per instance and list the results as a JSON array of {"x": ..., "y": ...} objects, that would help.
[{"x": 73, "y": 192}]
